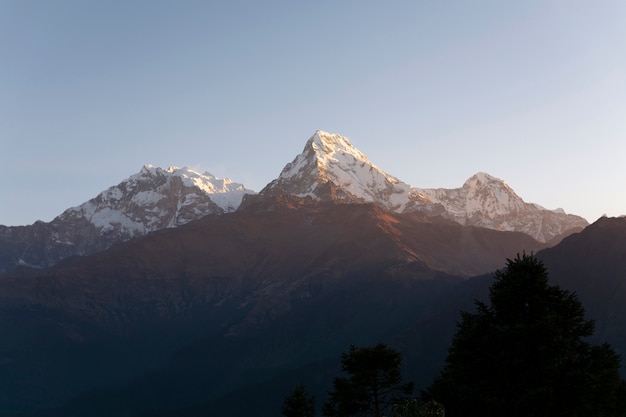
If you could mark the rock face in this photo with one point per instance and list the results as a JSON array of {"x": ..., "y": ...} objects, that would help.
[
  {"x": 150, "y": 200},
  {"x": 330, "y": 168}
]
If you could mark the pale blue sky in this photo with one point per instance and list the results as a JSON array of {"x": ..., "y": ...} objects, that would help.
[{"x": 532, "y": 92}]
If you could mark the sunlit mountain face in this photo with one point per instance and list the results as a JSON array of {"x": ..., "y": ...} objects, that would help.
[{"x": 150, "y": 200}]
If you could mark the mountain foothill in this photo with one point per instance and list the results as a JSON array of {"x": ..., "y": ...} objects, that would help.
[{"x": 179, "y": 293}]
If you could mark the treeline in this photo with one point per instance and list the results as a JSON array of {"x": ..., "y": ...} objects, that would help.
[{"x": 524, "y": 354}]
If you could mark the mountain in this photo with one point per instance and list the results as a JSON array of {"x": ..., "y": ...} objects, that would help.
[
  {"x": 246, "y": 305},
  {"x": 150, "y": 200},
  {"x": 486, "y": 201},
  {"x": 330, "y": 168},
  {"x": 230, "y": 299},
  {"x": 593, "y": 264},
  {"x": 237, "y": 297},
  {"x": 590, "y": 263}
]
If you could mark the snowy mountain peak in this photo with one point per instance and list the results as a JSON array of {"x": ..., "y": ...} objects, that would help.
[
  {"x": 487, "y": 201},
  {"x": 490, "y": 195},
  {"x": 484, "y": 178},
  {"x": 330, "y": 168},
  {"x": 222, "y": 191},
  {"x": 329, "y": 145},
  {"x": 155, "y": 198},
  {"x": 152, "y": 199}
]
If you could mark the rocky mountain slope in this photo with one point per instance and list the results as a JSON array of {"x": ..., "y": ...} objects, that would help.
[
  {"x": 330, "y": 168},
  {"x": 150, "y": 200}
]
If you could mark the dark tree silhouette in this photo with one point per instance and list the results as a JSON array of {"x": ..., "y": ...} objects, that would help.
[
  {"x": 299, "y": 403},
  {"x": 413, "y": 408},
  {"x": 526, "y": 354},
  {"x": 373, "y": 383}
]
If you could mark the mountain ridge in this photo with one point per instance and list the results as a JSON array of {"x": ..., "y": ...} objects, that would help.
[
  {"x": 152, "y": 199},
  {"x": 329, "y": 168},
  {"x": 487, "y": 201}
]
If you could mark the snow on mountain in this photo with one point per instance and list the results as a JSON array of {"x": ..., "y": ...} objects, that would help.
[
  {"x": 150, "y": 200},
  {"x": 482, "y": 197},
  {"x": 156, "y": 198},
  {"x": 330, "y": 168},
  {"x": 486, "y": 201}
]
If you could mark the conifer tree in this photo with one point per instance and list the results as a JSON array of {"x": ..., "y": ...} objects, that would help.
[
  {"x": 373, "y": 383},
  {"x": 299, "y": 403},
  {"x": 527, "y": 354}
]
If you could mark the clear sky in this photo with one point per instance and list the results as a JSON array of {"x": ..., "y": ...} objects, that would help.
[{"x": 533, "y": 92}]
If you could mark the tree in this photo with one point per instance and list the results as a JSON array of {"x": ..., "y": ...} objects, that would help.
[
  {"x": 299, "y": 403},
  {"x": 413, "y": 408},
  {"x": 526, "y": 354},
  {"x": 372, "y": 385}
]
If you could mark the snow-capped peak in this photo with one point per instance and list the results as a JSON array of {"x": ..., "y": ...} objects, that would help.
[
  {"x": 222, "y": 191},
  {"x": 480, "y": 193},
  {"x": 484, "y": 178},
  {"x": 152, "y": 199},
  {"x": 155, "y": 198},
  {"x": 487, "y": 201},
  {"x": 329, "y": 167},
  {"x": 328, "y": 145}
]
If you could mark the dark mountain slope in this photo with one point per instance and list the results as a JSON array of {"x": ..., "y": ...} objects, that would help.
[
  {"x": 593, "y": 263},
  {"x": 239, "y": 287},
  {"x": 267, "y": 247},
  {"x": 362, "y": 310}
]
